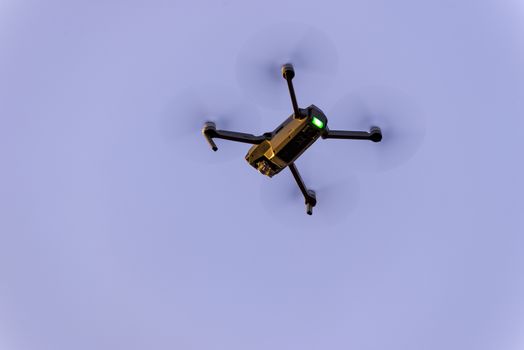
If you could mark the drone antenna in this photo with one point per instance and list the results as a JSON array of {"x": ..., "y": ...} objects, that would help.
[{"x": 288, "y": 72}]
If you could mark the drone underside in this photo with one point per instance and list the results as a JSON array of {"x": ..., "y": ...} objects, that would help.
[{"x": 276, "y": 150}]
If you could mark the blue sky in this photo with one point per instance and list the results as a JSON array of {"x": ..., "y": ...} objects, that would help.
[{"x": 119, "y": 228}]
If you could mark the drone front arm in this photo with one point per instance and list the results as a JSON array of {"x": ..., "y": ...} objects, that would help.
[
  {"x": 210, "y": 132},
  {"x": 374, "y": 134},
  {"x": 309, "y": 195},
  {"x": 288, "y": 73}
]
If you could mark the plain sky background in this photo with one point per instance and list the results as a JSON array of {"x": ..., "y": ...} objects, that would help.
[{"x": 120, "y": 229}]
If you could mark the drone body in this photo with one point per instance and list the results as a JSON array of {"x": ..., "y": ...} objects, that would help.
[
  {"x": 287, "y": 142},
  {"x": 274, "y": 151}
]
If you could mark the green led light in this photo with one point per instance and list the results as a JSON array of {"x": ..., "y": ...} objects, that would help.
[{"x": 317, "y": 122}]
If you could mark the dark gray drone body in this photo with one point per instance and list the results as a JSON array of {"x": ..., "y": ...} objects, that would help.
[{"x": 288, "y": 141}]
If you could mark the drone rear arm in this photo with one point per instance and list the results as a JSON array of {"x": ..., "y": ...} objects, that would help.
[
  {"x": 374, "y": 134},
  {"x": 309, "y": 195},
  {"x": 210, "y": 132}
]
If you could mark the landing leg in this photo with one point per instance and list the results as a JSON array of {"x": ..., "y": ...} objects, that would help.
[
  {"x": 309, "y": 195},
  {"x": 210, "y": 131},
  {"x": 374, "y": 134},
  {"x": 288, "y": 72}
]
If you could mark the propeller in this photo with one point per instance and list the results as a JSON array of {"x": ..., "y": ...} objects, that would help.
[
  {"x": 311, "y": 52},
  {"x": 336, "y": 199},
  {"x": 189, "y": 109},
  {"x": 402, "y": 123}
]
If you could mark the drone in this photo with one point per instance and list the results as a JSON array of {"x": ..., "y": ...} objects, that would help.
[{"x": 274, "y": 151}]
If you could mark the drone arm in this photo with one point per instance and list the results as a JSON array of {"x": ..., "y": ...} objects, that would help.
[
  {"x": 238, "y": 137},
  {"x": 288, "y": 72},
  {"x": 210, "y": 132},
  {"x": 374, "y": 134},
  {"x": 309, "y": 195}
]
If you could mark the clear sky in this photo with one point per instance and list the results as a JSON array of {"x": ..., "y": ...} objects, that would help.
[{"x": 121, "y": 229}]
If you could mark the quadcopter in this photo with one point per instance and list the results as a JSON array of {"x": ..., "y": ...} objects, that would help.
[{"x": 274, "y": 151}]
